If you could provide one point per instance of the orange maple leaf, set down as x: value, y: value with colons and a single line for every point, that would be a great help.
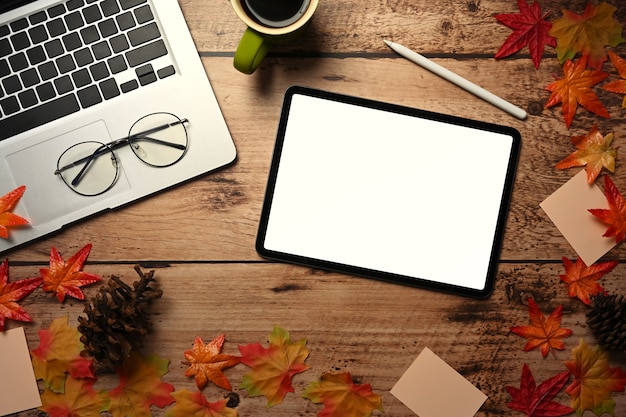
x: 544, y: 333
x: 594, y: 151
x: 59, y: 352
x: 273, y: 367
x: 594, y: 380
x: 575, y: 88
x: 588, y: 33
x: 79, y: 399
x: 7, y: 205
x: 140, y: 386
x: 206, y: 362
x: 582, y: 279
x: 66, y: 278
x: 615, y: 215
x: 12, y: 292
x: 618, y: 86
x: 195, y: 404
x: 342, y: 397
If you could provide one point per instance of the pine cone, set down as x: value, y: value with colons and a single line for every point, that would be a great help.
x: 607, y: 321
x: 118, y: 319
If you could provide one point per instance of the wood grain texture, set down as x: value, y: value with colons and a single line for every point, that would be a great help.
x: 371, y: 329
x: 199, y: 237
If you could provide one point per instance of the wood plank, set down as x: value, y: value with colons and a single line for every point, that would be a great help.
x: 371, y: 329
x: 225, y: 206
x: 356, y: 26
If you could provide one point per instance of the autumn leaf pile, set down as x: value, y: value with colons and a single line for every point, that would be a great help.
x: 69, y: 378
x: 579, y: 41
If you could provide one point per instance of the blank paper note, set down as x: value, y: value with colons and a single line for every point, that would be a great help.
x: 432, y: 388
x: 18, y: 386
x: 568, y: 208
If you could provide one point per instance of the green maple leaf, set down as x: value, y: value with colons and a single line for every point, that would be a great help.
x: 594, y: 380
x: 273, y: 367
x: 342, y: 397
x: 587, y: 34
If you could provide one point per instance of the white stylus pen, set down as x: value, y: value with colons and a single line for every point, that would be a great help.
x: 458, y: 80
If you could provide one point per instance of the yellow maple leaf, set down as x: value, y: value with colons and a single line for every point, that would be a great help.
x: 594, y: 151
x: 594, y: 380
x: 59, y: 353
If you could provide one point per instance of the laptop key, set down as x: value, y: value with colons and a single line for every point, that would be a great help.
x: 63, y: 84
x: 5, y: 47
x: 47, y: 71
x: 74, y: 4
x: 74, y: 20
x: 57, y: 10
x: 144, y: 34
x: 129, y: 4
x: 27, y: 98
x: 37, y: 116
x: 146, y: 53
x: 38, y: 17
x: 109, y: 7
x: 20, y: 41
x: 18, y: 62
x: 89, y: 96
x: 4, y: 68
x: 12, y: 84
x: 19, y: 24
x: 109, y: 88
x: 9, y: 105
x: 54, y: 48
x: 45, y: 91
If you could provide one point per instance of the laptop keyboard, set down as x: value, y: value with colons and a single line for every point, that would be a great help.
x: 75, y: 55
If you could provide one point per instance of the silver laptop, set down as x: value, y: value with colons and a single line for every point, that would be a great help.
x: 102, y: 102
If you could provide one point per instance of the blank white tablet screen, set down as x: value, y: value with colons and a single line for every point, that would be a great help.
x: 388, y: 192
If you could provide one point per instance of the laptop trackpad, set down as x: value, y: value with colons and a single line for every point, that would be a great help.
x: 47, y: 197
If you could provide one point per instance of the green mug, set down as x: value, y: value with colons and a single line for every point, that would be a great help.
x: 270, y: 23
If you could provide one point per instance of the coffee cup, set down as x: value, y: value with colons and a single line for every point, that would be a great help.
x: 270, y: 23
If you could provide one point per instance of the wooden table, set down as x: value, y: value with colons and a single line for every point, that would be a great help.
x: 199, y: 237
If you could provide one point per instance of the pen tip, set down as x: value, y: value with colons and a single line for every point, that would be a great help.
x: 387, y: 42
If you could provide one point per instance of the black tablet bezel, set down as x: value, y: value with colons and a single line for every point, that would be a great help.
x: 375, y: 274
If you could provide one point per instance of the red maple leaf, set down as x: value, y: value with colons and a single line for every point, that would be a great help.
x: 582, y: 279
x: 7, y: 218
x: 575, y: 88
x: 530, y: 28
x: 615, y: 215
x: 12, y: 292
x: 537, y: 401
x: 544, y: 333
x: 66, y: 278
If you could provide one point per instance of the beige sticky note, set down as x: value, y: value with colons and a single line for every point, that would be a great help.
x: 432, y: 388
x: 568, y: 209
x: 18, y: 387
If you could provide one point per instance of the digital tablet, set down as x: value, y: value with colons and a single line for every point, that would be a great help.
x: 388, y: 192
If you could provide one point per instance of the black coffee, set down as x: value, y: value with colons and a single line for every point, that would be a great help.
x: 276, y: 13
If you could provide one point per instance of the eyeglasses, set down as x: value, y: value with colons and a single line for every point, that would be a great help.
x: 91, y: 168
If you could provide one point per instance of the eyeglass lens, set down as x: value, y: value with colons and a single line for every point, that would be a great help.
x: 91, y: 168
